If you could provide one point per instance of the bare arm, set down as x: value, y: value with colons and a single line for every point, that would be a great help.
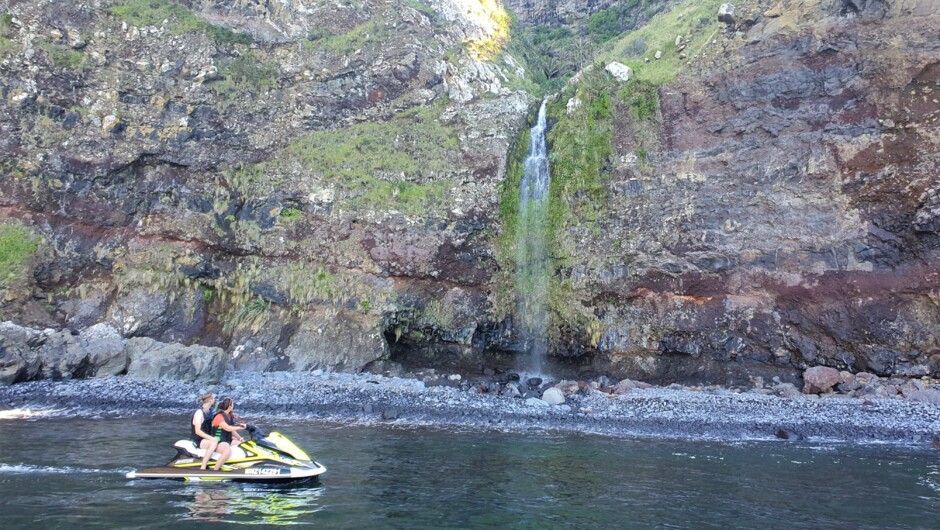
x: 230, y: 428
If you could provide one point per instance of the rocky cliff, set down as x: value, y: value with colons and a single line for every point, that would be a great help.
x: 328, y: 184
x: 297, y: 181
x: 771, y: 207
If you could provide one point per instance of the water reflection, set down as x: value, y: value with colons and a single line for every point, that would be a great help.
x: 274, y: 505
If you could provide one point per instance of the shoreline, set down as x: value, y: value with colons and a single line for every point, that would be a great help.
x: 710, y: 414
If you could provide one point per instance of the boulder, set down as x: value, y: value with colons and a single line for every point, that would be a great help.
x: 18, y: 361
x: 344, y: 341
x: 930, y: 396
x: 63, y: 356
x: 536, y: 402
x: 788, y: 435
x: 573, y: 105
x: 553, y: 396
x: 106, y: 353
x: 819, y: 379
x: 619, y: 71
x: 726, y: 13
x: 786, y: 390
x: 150, y: 359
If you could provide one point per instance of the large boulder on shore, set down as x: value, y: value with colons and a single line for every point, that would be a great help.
x: 929, y: 395
x: 106, y: 352
x: 819, y: 379
x: 63, y: 356
x: 343, y: 341
x: 18, y: 361
x: 27, y: 354
x: 150, y: 359
x: 98, y: 350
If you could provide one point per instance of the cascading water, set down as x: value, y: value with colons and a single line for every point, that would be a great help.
x: 531, y: 260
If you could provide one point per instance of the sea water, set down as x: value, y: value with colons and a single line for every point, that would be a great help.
x: 57, y: 472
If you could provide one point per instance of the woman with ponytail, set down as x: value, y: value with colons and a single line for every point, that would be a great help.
x: 225, y: 430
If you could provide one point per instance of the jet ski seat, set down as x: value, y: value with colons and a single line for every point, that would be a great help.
x: 190, y: 448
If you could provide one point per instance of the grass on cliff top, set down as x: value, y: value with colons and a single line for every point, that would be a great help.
x: 17, y: 243
x: 695, y: 20
x: 180, y: 19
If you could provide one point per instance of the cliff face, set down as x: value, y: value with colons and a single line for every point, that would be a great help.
x: 318, y: 184
x: 292, y: 182
x: 782, y: 212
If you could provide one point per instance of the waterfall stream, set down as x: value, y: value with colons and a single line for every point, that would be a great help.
x: 531, y: 259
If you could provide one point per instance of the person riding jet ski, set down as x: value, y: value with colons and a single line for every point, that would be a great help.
x: 201, y: 428
x: 262, y: 458
x: 226, y: 431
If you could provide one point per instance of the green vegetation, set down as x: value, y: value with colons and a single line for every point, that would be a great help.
x: 373, y: 167
x: 253, y: 315
x: 17, y: 244
x: 610, y: 23
x: 642, y: 99
x: 423, y: 8
x: 7, y: 45
x: 406, y: 197
x: 412, y: 144
x: 180, y: 19
x: 377, y: 163
x: 549, y: 55
x: 375, y: 30
x: 249, y: 69
x: 505, y: 289
x: 439, y: 314
x: 289, y: 214
x: 694, y: 20
x: 63, y: 56
x: 581, y: 152
x: 250, y: 178
x: 307, y: 283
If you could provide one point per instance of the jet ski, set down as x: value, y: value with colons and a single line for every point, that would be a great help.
x: 263, y: 458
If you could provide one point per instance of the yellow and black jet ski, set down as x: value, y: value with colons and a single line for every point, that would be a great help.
x: 263, y: 458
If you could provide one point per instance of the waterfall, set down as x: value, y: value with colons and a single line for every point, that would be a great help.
x: 531, y: 259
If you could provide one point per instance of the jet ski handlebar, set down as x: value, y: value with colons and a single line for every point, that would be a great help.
x: 255, y: 431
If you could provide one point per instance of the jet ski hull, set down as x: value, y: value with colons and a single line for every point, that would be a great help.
x: 250, y: 474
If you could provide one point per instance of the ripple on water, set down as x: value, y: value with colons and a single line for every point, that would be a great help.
x: 24, y: 469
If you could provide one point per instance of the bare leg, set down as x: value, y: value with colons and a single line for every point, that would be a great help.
x: 209, y: 446
x: 224, y: 450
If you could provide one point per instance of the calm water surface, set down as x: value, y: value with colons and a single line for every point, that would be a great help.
x: 63, y: 473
